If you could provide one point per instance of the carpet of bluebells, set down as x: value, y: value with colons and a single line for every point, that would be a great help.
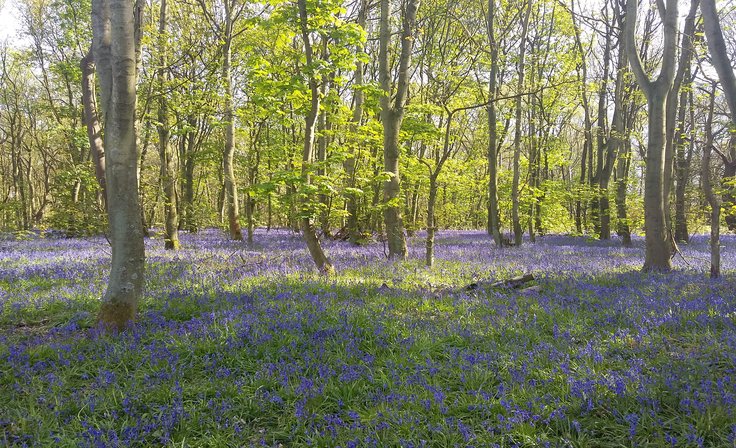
x: 242, y: 346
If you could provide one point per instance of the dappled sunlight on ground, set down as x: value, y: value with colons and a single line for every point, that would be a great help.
x: 247, y: 346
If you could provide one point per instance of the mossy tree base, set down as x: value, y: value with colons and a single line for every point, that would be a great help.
x: 116, y: 316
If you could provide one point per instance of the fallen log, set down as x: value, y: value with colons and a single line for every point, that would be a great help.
x: 512, y: 283
x: 531, y: 291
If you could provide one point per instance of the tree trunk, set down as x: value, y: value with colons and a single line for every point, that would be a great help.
x: 353, y: 220
x: 682, y: 170
x: 113, y: 21
x: 533, y: 152
x: 658, y: 246
x: 622, y: 180
x: 719, y: 53
x: 598, y: 202
x: 310, y: 233
x: 431, y: 229
x: 515, y: 193
x: 254, y: 165
x: 375, y: 219
x: 657, y: 242
x: 92, y: 122
x: 168, y: 176
x: 715, y: 242
x: 249, y: 206
x: 391, y: 188
x: 711, y: 197
x: 440, y: 161
x: 231, y: 188
x: 186, y: 158
x: 615, y: 140
x: 323, y: 126
x: 729, y: 173
x: 580, y: 204
x: 141, y: 164
x: 674, y: 121
x: 724, y: 68
x: 494, y: 221
x: 392, y: 116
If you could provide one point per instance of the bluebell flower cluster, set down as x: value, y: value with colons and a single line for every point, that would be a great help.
x: 247, y: 346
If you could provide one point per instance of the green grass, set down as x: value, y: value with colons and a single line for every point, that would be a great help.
x: 222, y: 359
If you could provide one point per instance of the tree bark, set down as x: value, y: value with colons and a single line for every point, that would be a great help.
x: 587, y: 153
x: 431, y: 228
x: 719, y: 54
x: 622, y: 180
x: 323, y: 126
x: 724, y: 68
x: 515, y: 193
x: 613, y: 146
x: 324, y: 266
x: 231, y: 187
x: 440, y: 161
x: 249, y: 216
x: 682, y: 170
x: 92, y: 122
x: 533, y: 150
x: 250, y: 200
x: 657, y: 242
x: 616, y: 136
x: 353, y: 220
x: 392, y: 116
x: 187, y: 146
x: 598, y: 203
x: 114, y: 50
x: 168, y: 176
x: 710, y: 196
x: 494, y: 221
x: 674, y: 120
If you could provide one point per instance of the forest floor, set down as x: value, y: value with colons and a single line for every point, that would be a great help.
x: 246, y: 346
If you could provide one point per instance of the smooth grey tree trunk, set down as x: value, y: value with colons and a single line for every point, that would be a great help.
x: 114, y: 49
x: 658, y: 248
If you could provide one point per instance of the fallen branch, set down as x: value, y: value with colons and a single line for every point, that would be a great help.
x: 512, y: 283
